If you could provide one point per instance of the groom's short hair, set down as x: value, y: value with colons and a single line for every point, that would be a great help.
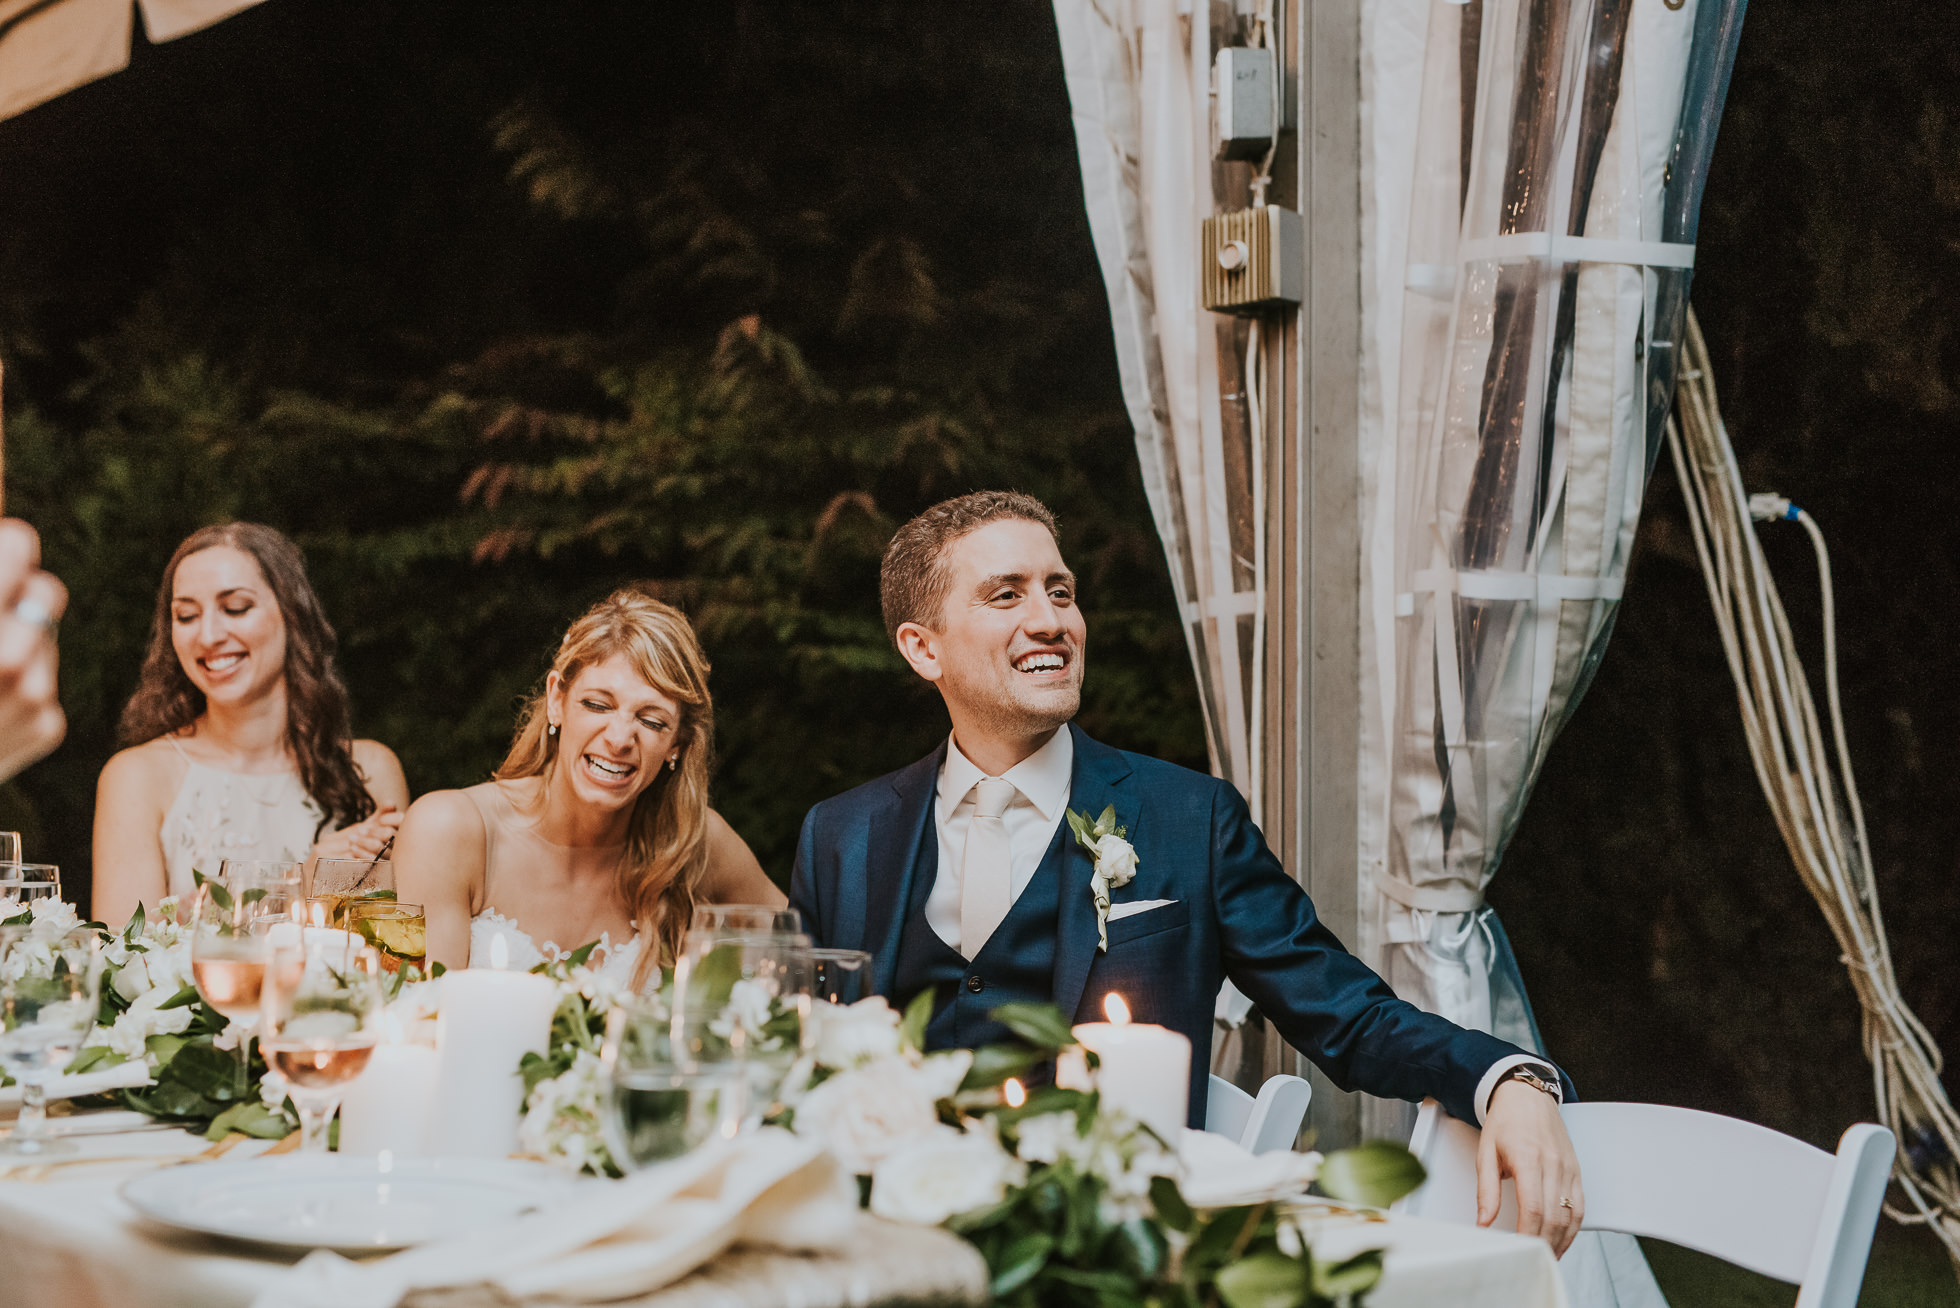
x: 912, y: 581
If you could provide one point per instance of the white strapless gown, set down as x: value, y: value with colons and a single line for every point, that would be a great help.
x: 614, y: 963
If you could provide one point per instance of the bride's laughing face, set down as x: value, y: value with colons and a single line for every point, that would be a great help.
x: 226, y: 626
x: 615, y: 732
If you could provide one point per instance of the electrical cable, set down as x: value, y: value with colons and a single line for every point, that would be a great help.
x: 1810, y: 797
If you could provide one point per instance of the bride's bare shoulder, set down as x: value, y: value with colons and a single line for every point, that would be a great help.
x: 442, y: 819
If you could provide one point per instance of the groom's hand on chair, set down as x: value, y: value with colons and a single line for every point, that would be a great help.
x: 1524, y: 1138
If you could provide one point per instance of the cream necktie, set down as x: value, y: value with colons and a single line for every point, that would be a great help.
x: 987, y: 870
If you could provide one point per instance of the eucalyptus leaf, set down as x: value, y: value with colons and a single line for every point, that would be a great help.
x: 1265, y: 1280
x: 1377, y: 1173
x: 1042, y: 1025
x: 1021, y: 1262
x: 918, y: 1014
x: 1350, y: 1279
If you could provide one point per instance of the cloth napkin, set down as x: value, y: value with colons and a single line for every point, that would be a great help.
x: 612, y: 1239
x: 123, y: 1076
x: 1219, y: 1172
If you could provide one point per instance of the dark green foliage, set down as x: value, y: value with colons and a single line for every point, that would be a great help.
x: 496, y: 316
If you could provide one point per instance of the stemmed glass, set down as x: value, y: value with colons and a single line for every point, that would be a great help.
x: 335, y: 882
x: 50, y: 983
x: 231, y: 929
x: 745, y: 919
x: 275, y: 883
x: 743, y: 1001
x: 840, y: 976
x: 9, y: 847
x: 320, y: 1020
x: 659, y: 1105
x: 21, y: 884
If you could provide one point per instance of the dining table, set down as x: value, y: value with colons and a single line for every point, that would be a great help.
x: 69, y: 1239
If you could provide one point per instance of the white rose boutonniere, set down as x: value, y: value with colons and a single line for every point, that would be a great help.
x: 1116, y: 862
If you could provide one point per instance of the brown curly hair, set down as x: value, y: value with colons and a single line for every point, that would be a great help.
x: 318, y: 720
x: 667, y: 839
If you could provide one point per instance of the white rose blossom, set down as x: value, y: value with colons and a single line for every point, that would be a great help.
x: 942, y: 1175
x: 1116, y: 861
x: 561, y: 1117
x: 849, y: 1036
x: 865, y: 1115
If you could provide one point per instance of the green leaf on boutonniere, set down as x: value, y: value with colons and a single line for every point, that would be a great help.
x: 918, y: 1014
x: 1042, y: 1025
x: 1377, y: 1173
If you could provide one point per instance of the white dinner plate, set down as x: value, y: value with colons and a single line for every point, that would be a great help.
x: 349, y: 1204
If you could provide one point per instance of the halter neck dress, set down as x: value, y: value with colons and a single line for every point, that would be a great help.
x: 511, y: 847
x: 218, y: 815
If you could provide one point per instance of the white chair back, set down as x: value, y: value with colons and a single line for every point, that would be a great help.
x: 1272, y: 1121
x: 1742, y: 1192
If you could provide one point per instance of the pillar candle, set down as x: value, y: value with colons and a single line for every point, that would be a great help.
x: 487, y: 1020
x: 1146, y: 1069
x: 391, y: 1104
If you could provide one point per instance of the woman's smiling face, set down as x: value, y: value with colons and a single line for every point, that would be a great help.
x: 226, y: 626
x: 615, y: 731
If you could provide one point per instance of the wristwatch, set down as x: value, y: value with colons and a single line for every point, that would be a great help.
x: 1534, y: 1078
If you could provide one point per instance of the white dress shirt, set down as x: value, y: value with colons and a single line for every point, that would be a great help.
x: 1041, y: 783
x: 1041, y: 790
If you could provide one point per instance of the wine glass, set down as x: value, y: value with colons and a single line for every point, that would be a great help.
x: 335, y: 882
x: 9, y: 846
x: 743, y: 1001
x: 21, y: 884
x: 230, y: 947
x: 320, y: 1018
x: 50, y: 983
x: 746, y: 919
x: 275, y: 883
x: 399, y: 932
x: 660, y: 1105
x: 840, y: 976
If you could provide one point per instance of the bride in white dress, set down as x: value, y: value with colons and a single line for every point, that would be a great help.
x: 596, y: 829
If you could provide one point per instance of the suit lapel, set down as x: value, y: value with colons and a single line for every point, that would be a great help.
x: 1096, y: 781
x: 893, y: 849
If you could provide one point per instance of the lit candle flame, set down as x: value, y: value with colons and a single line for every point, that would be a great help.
x: 1119, y: 1012
x: 1013, y: 1093
x: 317, y: 913
x: 499, y: 952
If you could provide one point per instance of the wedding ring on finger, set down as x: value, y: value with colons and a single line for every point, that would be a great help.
x: 33, y: 611
x: 1564, y: 1202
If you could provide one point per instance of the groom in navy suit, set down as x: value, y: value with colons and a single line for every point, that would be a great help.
x: 960, y: 874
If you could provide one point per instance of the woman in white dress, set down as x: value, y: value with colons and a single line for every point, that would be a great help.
x: 238, y: 733
x: 596, y: 829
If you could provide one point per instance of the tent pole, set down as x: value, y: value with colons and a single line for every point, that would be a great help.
x: 1313, y: 668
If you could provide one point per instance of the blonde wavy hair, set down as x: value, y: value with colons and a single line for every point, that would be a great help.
x: 667, y: 839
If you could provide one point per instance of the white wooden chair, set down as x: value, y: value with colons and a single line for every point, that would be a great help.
x: 1272, y: 1121
x: 1744, y: 1193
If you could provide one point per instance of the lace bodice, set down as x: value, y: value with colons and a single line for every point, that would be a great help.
x: 614, y: 962
x: 218, y: 815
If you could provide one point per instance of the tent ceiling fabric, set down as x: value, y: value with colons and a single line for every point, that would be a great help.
x: 48, y: 47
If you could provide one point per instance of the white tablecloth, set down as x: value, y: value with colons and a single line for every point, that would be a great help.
x: 69, y: 1241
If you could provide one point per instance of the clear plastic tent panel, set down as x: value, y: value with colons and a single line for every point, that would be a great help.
x: 1561, y: 154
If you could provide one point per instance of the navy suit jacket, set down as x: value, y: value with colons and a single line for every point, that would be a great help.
x: 1237, y: 914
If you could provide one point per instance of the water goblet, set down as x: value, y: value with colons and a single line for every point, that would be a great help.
x: 338, y: 882
x: 21, y: 884
x: 50, y: 984
x: 9, y: 846
x: 840, y: 976
x: 659, y: 1105
x: 320, y: 1019
x: 275, y: 884
x: 744, y: 1000
x: 746, y: 919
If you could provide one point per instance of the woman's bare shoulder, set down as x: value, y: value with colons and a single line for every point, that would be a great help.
x: 370, y: 755
x: 445, y: 814
x: 152, y: 770
x: 734, y: 874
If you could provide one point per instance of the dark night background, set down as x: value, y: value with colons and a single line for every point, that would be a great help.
x: 494, y: 306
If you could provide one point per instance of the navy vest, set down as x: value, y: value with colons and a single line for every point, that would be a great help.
x: 1016, y: 965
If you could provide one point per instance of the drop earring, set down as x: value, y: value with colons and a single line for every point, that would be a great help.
x: 673, y: 761
x: 551, y: 730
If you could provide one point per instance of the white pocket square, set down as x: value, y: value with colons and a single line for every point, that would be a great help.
x: 1117, y: 912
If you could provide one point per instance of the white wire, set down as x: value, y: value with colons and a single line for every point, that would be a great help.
x: 1808, y: 796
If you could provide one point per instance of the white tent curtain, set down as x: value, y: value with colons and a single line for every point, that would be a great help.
x: 51, y: 46
x: 1138, y: 75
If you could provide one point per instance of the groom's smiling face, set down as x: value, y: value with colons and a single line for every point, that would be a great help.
x: 1009, y: 649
